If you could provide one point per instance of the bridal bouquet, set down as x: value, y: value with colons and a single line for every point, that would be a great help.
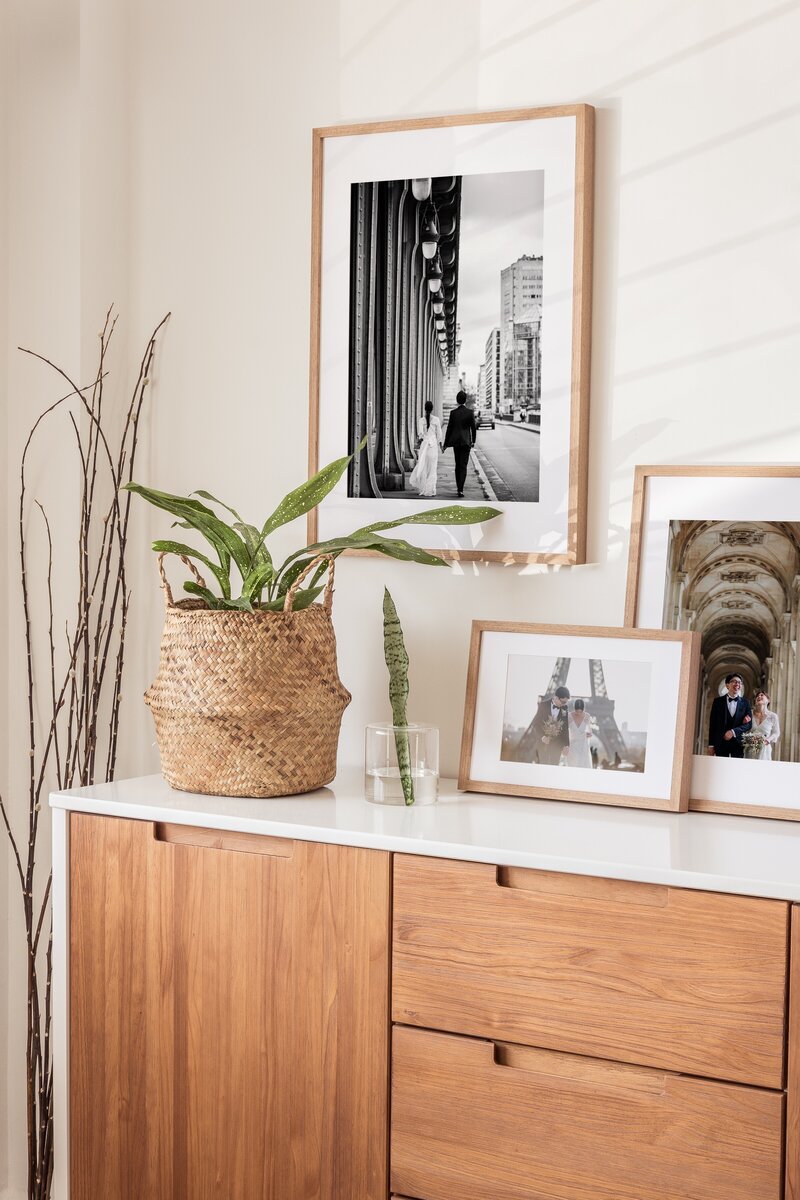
x: 550, y: 729
x: 753, y: 743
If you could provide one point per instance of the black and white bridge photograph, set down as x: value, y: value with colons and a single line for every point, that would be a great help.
x: 445, y: 333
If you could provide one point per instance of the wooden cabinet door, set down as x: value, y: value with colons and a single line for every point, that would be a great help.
x: 484, y: 1121
x: 229, y: 1015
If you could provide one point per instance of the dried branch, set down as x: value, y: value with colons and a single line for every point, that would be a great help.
x: 84, y: 684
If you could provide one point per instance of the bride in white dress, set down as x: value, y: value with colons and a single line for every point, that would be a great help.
x: 423, y: 477
x: 765, y: 722
x: 580, y: 730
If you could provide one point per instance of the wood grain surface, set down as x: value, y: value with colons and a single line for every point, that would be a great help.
x: 479, y: 1121
x: 229, y: 1018
x: 663, y: 977
x: 792, y: 1191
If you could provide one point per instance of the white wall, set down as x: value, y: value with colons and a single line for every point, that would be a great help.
x: 195, y: 196
x: 5, y: 97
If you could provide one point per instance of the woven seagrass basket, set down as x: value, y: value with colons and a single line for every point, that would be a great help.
x: 248, y: 704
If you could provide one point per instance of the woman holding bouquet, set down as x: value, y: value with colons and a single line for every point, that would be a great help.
x: 766, y: 723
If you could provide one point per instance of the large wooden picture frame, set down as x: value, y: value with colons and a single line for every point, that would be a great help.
x: 495, y: 210
x: 632, y: 690
x: 716, y: 549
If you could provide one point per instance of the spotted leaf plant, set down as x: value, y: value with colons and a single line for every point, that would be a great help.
x: 236, y: 545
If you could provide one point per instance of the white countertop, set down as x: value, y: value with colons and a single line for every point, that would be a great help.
x: 713, y: 852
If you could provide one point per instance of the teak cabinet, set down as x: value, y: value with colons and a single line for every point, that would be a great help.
x: 548, y: 1036
x: 228, y: 1015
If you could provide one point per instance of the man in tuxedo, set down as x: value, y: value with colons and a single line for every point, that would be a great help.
x: 462, y: 431
x: 552, y: 712
x: 730, y: 718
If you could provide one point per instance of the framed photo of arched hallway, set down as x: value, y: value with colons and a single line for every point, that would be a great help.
x: 716, y: 550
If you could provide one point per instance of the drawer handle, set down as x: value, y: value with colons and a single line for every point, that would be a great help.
x: 579, y: 1069
x: 222, y: 839
x: 582, y: 887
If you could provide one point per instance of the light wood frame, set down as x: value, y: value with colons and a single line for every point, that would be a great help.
x: 684, y: 725
x: 726, y: 471
x: 581, y: 317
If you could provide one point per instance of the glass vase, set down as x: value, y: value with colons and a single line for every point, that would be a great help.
x: 416, y: 747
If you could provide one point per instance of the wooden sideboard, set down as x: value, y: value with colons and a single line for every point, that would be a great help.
x: 228, y: 1029
x: 573, y: 1037
x: 272, y: 1018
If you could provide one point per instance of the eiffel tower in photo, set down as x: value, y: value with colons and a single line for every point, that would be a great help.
x: 599, y: 706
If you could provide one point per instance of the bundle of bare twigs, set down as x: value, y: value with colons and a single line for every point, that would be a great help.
x: 77, y: 736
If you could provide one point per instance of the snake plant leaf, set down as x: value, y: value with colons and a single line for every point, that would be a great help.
x: 453, y: 514
x: 224, y: 539
x: 396, y: 655
x: 167, y: 547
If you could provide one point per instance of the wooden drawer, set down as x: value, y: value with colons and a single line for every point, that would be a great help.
x: 485, y: 1121
x: 687, y: 981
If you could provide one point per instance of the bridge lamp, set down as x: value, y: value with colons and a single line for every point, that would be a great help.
x: 438, y: 305
x: 421, y: 188
x: 434, y: 271
x: 429, y: 233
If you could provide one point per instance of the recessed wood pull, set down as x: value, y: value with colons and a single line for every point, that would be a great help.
x: 576, y: 1068
x: 223, y: 839
x: 582, y: 887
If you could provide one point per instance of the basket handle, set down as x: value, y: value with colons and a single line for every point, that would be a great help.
x: 165, y: 582
x: 327, y: 599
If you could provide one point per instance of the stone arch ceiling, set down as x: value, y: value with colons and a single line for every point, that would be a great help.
x: 739, y: 580
x: 731, y: 577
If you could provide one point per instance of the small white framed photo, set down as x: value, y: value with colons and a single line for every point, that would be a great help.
x: 716, y: 550
x: 596, y: 715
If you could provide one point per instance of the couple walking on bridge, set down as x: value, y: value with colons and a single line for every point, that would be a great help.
x: 462, y: 432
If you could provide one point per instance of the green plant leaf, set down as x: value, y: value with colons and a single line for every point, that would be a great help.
x: 453, y: 514
x: 309, y: 494
x: 391, y: 547
x: 396, y: 655
x: 224, y: 539
x: 259, y: 554
x: 167, y: 547
x: 302, y: 599
x: 211, y: 600
x: 294, y: 567
x: 255, y: 582
x: 240, y: 604
x: 221, y: 503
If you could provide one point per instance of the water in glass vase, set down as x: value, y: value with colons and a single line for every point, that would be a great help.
x: 382, y: 785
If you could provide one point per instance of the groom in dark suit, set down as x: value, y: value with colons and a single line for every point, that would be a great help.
x: 730, y: 718
x: 462, y: 432
x: 550, y: 728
